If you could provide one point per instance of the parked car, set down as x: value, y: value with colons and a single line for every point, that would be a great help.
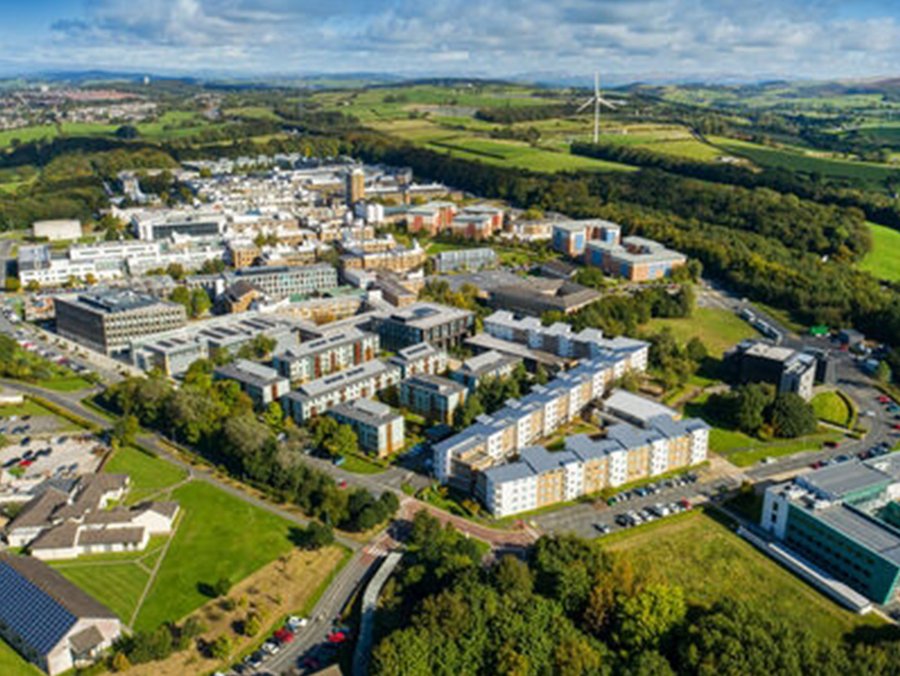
x: 296, y: 623
x: 271, y: 647
x: 602, y: 528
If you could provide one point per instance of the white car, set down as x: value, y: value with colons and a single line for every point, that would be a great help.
x: 271, y: 647
x: 296, y: 623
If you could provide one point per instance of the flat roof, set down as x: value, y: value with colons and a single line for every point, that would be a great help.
x: 861, y: 528
x: 839, y: 480
x: 426, y: 315
x: 316, y: 388
x: 635, y: 406
x: 366, y: 411
x: 117, y: 300
x: 434, y: 383
x: 489, y: 342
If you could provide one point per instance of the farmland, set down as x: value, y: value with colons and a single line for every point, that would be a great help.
x: 884, y: 259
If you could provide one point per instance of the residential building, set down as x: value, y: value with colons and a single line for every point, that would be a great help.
x: 464, y: 259
x: 285, y: 282
x: 635, y: 409
x: 335, y: 351
x: 418, y: 359
x: 261, y: 383
x: 842, y: 522
x: 355, y: 186
x: 431, y: 218
x: 396, y: 259
x: 108, y: 320
x: 65, y: 522
x: 434, y: 397
x: 48, y: 620
x: 539, y: 477
x: 173, y: 352
x: 442, y: 326
x: 394, y: 290
x: 319, y: 396
x: 786, y: 369
x: 379, y: 429
x: 634, y: 258
x: 239, y: 297
x: 56, y: 230
x: 242, y: 254
x: 490, y: 364
x: 571, y: 237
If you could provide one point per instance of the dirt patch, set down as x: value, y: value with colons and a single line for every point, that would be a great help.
x: 280, y: 588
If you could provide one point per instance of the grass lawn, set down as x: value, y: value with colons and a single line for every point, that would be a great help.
x: 149, y: 475
x: 834, y: 408
x: 28, y: 407
x: 13, y: 664
x: 116, y: 585
x: 219, y: 536
x: 359, y: 465
x: 64, y: 383
x: 884, y: 259
x: 718, y: 329
x: 713, y: 564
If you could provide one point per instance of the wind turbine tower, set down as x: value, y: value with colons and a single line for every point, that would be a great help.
x: 596, y: 100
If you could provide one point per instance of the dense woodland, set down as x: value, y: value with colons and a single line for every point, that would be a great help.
x: 573, y: 609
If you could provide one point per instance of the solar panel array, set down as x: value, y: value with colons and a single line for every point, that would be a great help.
x: 28, y: 612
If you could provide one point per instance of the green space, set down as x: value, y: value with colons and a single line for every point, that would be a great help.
x: 117, y: 585
x: 713, y: 564
x: 218, y: 536
x: 359, y: 465
x: 28, y: 407
x: 64, y: 383
x: 27, y: 134
x: 833, y: 407
x: 149, y: 474
x: 883, y: 260
x: 13, y: 664
x: 868, y: 174
x: 719, y: 329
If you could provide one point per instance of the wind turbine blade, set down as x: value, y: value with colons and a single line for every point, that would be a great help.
x: 584, y: 105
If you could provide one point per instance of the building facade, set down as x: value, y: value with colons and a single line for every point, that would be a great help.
x: 333, y: 352
x: 261, y: 383
x: 434, y: 397
x: 420, y: 359
x: 634, y: 258
x: 379, y: 429
x: 442, y: 326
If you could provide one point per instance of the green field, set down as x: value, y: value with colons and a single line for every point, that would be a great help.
x: 713, y: 564
x: 834, y: 408
x: 219, y: 536
x: 28, y: 407
x: 13, y: 664
x: 719, y: 329
x: 149, y: 475
x: 64, y: 383
x: 27, y: 134
x: 884, y: 259
x: 868, y: 174
x: 117, y: 585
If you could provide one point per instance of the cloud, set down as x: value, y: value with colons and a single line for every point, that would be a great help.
x: 489, y: 37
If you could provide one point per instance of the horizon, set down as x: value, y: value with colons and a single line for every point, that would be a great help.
x: 646, y: 40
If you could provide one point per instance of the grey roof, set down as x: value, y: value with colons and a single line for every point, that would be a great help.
x: 487, y: 362
x: 40, y: 606
x: 315, y: 388
x: 417, y: 351
x: 117, y: 300
x: 861, y: 528
x: 329, y: 341
x: 632, y: 437
x: 541, y: 460
x: 488, y: 342
x: 512, y: 471
x: 438, y: 384
x: 836, y: 481
x: 635, y: 406
x: 248, y: 372
x: 366, y: 411
x: 638, y: 250
x: 104, y: 536
x: 86, y: 640
x: 427, y: 315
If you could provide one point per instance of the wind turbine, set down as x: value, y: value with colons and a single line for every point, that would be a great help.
x: 597, y: 101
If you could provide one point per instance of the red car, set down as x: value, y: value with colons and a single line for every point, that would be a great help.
x: 342, y: 484
x: 29, y: 463
x: 284, y: 635
x: 685, y: 503
x: 896, y: 426
x: 337, y: 637
x: 883, y: 399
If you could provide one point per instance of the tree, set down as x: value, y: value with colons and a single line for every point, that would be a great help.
x: 33, y: 286
x: 182, y: 296
x: 883, y: 372
x: 465, y: 415
x: 12, y: 284
x: 315, y: 536
x: 512, y: 577
x: 792, y: 416
x: 125, y: 429
x: 647, y: 618
x: 220, y: 648
x: 176, y: 271
x: 696, y: 350
x: 274, y: 415
x: 342, y: 442
x: 222, y: 586
x: 252, y: 624
x: 90, y: 279
x: 120, y: 662
x: 199, y: 303
x: 750, y: 406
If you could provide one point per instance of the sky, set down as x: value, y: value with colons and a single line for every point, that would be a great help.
x: 623, y: 39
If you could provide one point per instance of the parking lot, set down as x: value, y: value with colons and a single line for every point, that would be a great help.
x: 31, y: 456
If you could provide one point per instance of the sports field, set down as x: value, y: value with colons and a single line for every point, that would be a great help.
x: 884, y: 259
x: 713, y: 564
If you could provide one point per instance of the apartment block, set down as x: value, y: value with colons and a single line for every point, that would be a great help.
x: 490, y: 364
x: 431, y: 218
x: 108, y: 320
x: 261, y: 383
x: 379, y: 429
x: 636, y: 259
x: 786, y: 369
x: 434, y: 397
x: 319, y: 396
x: 538, y: 477
x: 396, y: 259
x: 571, y: 237
x: 422, y: 358
x: 442, y: 326
x: 335, y: 351
x: 465, y: 259
x: 284, y: 282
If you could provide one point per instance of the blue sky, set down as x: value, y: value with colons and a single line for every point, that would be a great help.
x: 625, y: 39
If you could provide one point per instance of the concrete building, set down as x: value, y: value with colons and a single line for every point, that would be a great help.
x: 636, y: 259
x: 434, y: 397
x: 37, y: 264
x: 786, y: 369
x: 418, y: 359
x: 48, y: 620
x: 442, y: 326
x: 152, y: 225
x: 335, y: 351
x: 464, y: 259
x: 843, y: 522
x: 319, y: 396
x: 431, y: 218
x: 261, y: 383
x: 635, y: 409
x: 490, y: 364
x: 539, y: 477
x: 571, y: 237
x: 379, y: 429
x: 56, y: 230
x: 174, y: 351
x: 107, y: 321
x: 355, y: 186
x: 278, y: 282
x: 536, y: 295
x: 396, y: 259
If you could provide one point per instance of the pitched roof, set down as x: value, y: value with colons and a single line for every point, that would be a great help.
x: 39, y: 605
